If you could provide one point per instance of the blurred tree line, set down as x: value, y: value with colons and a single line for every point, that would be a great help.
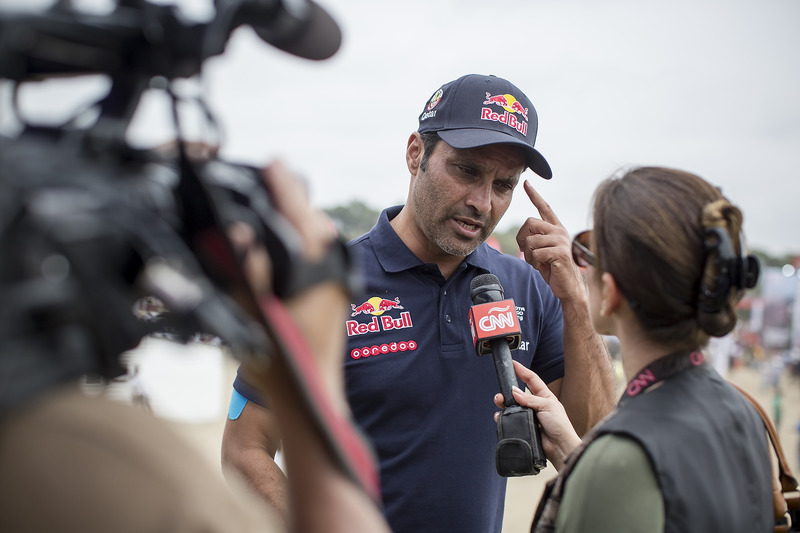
x: 353, y: 219
x: 357, y: 218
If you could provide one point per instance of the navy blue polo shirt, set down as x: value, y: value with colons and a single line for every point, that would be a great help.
x: 417, y: 388
x: 419, y: 391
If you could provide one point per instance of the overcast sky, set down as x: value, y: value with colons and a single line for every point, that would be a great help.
x: 708, y: 86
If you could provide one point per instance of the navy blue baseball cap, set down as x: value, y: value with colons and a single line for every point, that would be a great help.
x: 477, y: 110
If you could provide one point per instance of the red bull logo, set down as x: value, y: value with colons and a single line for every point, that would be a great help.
x: 375, y: 306
x: 507, y: 102
x: 366, y: 307
x: 505, y: 118
x: 511, y: 108
x: 386, y: 323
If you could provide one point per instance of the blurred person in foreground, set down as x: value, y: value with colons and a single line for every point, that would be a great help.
x: 75, y: 462
x: 684, y: 451
x: 413, y: 380
x: 91, y: 225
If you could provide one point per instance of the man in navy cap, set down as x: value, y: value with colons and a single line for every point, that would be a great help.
x: 414, y: 383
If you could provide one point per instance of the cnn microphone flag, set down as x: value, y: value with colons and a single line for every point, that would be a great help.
x: 494, y: 320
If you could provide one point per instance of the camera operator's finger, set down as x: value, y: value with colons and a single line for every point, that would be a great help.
x: 290, y: 197
x: 254, y: 257
x: 320, y: 309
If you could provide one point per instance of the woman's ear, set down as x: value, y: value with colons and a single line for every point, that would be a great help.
x: 611, y: 295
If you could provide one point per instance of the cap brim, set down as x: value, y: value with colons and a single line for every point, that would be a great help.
x: 473, y: 138
x: 318, y: 38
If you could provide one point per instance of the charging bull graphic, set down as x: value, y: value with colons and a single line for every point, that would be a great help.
x: 507, y: 102
x: 375, y: 306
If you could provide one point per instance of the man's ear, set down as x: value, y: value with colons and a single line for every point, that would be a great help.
x: 414, y: 152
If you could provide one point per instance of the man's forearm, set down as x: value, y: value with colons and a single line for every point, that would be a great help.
x: 322, y: 496
x: 260, y: 472
x: 249, y: 444
x: 589, y: 389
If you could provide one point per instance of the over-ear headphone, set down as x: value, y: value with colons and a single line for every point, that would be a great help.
x: 733, y: 271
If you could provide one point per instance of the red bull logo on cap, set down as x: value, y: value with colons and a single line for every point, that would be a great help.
x: 507, y: 102
x: 511, y: 107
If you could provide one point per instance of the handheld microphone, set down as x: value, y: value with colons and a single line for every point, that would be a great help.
x: 495, y: 329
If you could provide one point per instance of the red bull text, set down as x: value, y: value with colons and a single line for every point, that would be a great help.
x: 382, y: 323
x: 506, y: 118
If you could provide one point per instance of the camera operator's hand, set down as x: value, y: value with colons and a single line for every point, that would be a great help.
x: 558, y: 436
x: 319, y: 311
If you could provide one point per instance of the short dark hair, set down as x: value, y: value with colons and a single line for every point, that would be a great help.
x: 429, y: 141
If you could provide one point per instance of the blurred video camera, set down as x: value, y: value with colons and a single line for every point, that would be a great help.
x: 89, y: 225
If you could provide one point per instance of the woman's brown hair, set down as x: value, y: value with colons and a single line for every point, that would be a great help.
x: 649, y: 233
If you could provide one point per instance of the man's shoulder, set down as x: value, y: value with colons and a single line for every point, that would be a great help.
x: 361, y: 240
x: 382, y: 228
x: 365, y: 240
x: 362, y: 249
x: 506, y: 260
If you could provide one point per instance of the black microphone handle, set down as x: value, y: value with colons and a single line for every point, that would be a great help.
x: 503, y: 365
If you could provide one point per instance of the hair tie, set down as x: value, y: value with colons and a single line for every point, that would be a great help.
x: 740, y: 272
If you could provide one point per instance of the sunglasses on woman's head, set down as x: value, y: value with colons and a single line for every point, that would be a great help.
x: 581, y: 254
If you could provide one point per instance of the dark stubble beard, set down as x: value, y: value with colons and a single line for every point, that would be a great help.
x: 428, y: 204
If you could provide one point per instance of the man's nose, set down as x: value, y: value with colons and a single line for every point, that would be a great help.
x: 480, y: 198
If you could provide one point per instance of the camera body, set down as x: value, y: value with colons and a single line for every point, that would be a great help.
x: 81, y: 234
x: 90, y: 225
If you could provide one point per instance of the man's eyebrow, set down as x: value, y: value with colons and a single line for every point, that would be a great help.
x: 477, y: 163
